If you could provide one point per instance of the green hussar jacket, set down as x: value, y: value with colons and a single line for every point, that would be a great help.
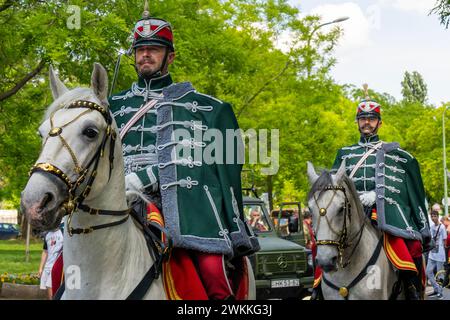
x: 394, y: 175
x: 201, y: 199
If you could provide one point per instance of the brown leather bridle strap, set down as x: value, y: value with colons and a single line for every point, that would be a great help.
x: 95, y: 212
x: 343, y: 241
x: 74, y: 201
x: 73, y: 231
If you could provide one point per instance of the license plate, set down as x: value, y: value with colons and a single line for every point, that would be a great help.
x: 285, y: 283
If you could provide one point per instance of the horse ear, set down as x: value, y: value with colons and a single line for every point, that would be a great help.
x: 341, y: 171
x: 99, y: 83
x: 58, y: 88
x: 312, y: 175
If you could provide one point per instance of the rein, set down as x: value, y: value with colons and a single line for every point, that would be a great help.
x: 73, y: 200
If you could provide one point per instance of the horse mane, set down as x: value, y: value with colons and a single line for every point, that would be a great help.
x: 323, y: 181
x: 326, y: 179
x: 348, y: 183
x: 64, y: 100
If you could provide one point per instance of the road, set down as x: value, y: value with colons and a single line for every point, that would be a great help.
x: 445, y: 293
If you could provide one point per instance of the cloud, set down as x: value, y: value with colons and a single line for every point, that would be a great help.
x: 417, y: 6
x: 356, y: 29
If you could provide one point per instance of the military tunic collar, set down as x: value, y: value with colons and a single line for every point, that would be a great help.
x: 155, y: 84
x: 370, y: 141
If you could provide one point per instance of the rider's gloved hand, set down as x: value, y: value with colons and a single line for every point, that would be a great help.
x: 368, y: 198
x: 133, y: 187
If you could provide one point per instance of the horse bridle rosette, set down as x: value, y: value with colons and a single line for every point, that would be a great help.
x: 343, y: 241
x: 73, y: 200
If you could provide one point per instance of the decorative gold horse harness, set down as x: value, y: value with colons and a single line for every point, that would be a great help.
x: 159, y: 250
x: 73, y: 200
x: 343, y: 241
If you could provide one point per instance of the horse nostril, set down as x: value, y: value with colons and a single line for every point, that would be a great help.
x: 48, y: 197
x: 334, y: 260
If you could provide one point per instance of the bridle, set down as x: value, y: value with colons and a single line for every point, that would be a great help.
x: 157, y: 247
x: 75, y: 199
x: 344, y: 240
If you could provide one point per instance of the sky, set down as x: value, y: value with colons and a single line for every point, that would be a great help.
x: 383, y: 39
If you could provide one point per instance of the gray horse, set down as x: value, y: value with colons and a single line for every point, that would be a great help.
x: 349, y: 249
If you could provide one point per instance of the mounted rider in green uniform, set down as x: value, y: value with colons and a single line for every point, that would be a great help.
x: 166, y: 152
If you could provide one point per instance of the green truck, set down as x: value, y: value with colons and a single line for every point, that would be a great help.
x: 282, y: 268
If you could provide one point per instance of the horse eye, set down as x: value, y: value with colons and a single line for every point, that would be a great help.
x: 90, y: 133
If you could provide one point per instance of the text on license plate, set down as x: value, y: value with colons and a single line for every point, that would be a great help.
x: 285, y: 283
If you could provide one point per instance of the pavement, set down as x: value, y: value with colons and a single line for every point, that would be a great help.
x: 445, y: 293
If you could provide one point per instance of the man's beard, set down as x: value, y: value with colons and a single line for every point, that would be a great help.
x: 148, y: 72
x: 372, y: 132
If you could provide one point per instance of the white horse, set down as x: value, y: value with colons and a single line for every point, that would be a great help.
x: 349, y: 249
x: 107, y: 256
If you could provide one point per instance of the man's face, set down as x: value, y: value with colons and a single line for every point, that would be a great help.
x: 256, y: 215
x: 369, y: 125
x: 435, y: 218
x: 149, y: 59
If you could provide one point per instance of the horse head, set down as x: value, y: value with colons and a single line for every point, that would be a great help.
x: 333, y: 200
x: 77, y: 127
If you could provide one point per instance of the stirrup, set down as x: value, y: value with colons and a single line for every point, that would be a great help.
x: 411, y: 292
x: 316, y: 293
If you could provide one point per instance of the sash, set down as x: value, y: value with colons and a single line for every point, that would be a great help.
x: 143, y: 110
x: 364, y: 157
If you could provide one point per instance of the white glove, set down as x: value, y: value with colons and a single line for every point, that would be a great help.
x: 368, y: 198
x: 133, y: 187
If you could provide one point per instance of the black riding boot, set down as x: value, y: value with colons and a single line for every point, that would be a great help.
x: 316, y: 293
x: 410, y: 285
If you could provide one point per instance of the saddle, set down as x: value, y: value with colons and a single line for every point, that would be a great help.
x: 179, y: 272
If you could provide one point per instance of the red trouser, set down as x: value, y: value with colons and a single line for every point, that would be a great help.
x: 211, y: 268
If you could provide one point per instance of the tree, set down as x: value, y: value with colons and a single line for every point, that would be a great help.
x: 224, y: 47
x: 442, y: 9
x: 414, y: 89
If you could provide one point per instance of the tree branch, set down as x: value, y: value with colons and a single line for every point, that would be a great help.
x: 262, y: 88
x: 6, y: 5
x: 21, y: 83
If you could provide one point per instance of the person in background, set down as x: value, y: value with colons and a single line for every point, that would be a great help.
x: 53, y: 245
x: 435, y: 207
x: 436, y: 257
x: 307, y: 230
x: 256, y: 221
x: 446, y: 223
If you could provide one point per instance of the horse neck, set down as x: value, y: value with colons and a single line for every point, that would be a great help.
x: 107, y: 255
x: 364, y: 248
x: 112, y: 195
